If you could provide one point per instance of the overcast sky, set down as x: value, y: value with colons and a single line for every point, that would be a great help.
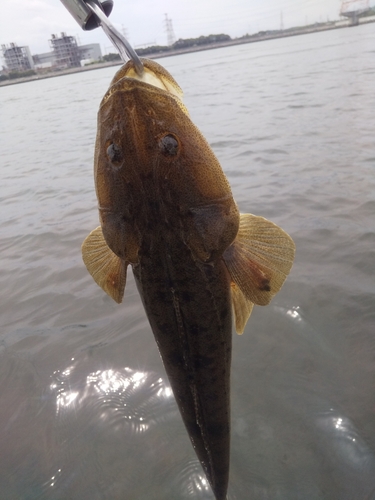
x: 31, y: 22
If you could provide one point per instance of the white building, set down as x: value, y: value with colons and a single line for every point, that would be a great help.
x: 17, y: 58
x: 90, y: 52
x: 86, y: 53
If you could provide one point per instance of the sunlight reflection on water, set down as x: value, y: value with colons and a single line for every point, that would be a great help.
x: 115, y: 392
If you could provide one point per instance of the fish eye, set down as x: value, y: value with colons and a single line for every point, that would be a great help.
x: 169, y: 145
x: 114, y: 153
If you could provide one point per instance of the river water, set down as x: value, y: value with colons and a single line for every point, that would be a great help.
x: 86, y: 411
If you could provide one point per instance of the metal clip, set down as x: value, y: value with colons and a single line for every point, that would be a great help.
x: 84, y: 15
x: 90, y: 14
x: 126, y: 51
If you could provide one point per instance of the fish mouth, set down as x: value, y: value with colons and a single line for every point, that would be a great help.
x: 154, y: 77
x: 153, y: 74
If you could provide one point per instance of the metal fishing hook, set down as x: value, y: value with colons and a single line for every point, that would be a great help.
x: 90, y: 14
x: 126, y: 51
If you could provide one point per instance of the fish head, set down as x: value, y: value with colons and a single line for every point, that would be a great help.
x: 152, y: 161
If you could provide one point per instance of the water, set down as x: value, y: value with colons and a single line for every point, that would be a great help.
x: 86, y: 411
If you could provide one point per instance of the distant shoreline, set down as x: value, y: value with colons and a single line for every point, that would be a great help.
x: 237, y: 41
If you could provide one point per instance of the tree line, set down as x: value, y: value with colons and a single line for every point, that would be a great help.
x: 182, y: 43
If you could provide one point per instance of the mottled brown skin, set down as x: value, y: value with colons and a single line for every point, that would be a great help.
x: 166, y: 208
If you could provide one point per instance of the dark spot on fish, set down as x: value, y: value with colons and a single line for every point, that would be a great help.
x: 175, y: 358
x: 169, y: 145
x: 212, y: 397
x: 201, y: 362
x: 186, y: 297
x: 114, y: 153
x: 265, y: 285
x: 213, y: 347
x: 224, y: 314
x: 218, y: 430
x: 194, y: 329
x: 162, y: 297
x: 154, y: 207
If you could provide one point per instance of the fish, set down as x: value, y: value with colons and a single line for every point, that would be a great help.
x: 166, y: 209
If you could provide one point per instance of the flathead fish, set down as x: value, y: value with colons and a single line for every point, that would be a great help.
x: 166, y: 209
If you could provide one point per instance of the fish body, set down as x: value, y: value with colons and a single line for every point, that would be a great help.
x: 189, y: 309
x: 166, y: 209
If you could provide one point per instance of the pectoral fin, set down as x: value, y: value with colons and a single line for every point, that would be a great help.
x: 258, y: 261
x: 108, y: 270
x: 242, y: 308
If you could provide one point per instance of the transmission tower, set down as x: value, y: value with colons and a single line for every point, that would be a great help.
x: 171, y: 37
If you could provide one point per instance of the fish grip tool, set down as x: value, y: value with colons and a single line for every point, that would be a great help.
x: 91, y: 14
